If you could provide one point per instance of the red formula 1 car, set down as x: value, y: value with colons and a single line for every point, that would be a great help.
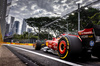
x: 84, y: 44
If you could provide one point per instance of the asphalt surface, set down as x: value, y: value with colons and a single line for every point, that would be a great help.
x: 48, y: 59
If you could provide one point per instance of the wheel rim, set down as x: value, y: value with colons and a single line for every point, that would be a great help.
x: 62, y: 47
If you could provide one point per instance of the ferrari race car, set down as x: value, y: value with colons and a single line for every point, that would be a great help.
x: 85, y: 44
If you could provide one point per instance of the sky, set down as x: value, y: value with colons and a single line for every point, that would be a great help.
x: 21, y: 9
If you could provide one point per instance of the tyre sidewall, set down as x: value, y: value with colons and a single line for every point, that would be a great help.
x: 38, y: 45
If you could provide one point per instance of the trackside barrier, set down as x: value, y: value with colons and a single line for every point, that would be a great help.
x: 29, y: 44
x: 1, y: 43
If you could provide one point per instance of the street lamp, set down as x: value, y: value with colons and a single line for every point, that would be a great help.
x: 72, y: 13
x: 86, y: 8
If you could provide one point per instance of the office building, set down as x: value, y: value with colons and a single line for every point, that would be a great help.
x: 16, y: 27
x: 24, y: 25
x: 11, y: 23
x: 7, y: 28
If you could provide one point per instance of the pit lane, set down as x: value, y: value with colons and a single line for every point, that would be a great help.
x: 49, y: 59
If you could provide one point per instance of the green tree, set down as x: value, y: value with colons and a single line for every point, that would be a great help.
x: 96, y: 18
x: 45, y: 36
x: 58, y: 26
x: 25, y: 35
x: 16, y: 36
x: 85, y: 17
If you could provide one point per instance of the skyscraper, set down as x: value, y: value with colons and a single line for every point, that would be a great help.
x: 16, y: 27
x: 7, y: 29
x: 11, y: 23
x: 23, y: 26
x: 9, y: 2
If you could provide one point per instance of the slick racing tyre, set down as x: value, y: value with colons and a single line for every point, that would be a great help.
x: 69, y: 47
x: 38, y: 45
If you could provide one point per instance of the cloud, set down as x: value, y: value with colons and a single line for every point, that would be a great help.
x: 44, y: 7
x: 45, y: 4
x: 63, y: 1
x: 23, y: 8
x: 73, y: 5
x: 40, y: 8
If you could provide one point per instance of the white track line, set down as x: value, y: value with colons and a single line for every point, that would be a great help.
x: 56, y: 59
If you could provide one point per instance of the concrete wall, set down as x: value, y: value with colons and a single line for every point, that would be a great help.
x: 3, y: 6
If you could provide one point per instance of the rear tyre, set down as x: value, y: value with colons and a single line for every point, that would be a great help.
x: 69, y: 47
x: 38, y: 45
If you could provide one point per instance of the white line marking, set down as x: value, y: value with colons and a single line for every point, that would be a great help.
x: 56, y: 59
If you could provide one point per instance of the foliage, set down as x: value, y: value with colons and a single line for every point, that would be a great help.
x: 45, y: 35
x: 16, y: 36
x: 96, y: 18
x: 58, y: 26
x: 85, y: 17
x: 25, y: 35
